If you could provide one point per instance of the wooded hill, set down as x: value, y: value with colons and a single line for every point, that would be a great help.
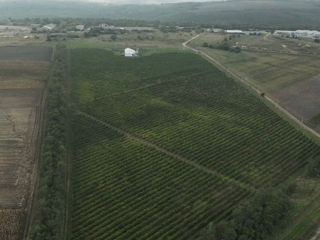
x: 235, y: 13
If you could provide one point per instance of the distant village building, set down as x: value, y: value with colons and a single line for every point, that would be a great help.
x: 252, y: 32
x: 49, y: 27
x: 234, y: 32
x: 129, y: 52
x: 298, y: 33
x: 105, y: 26
x: 80, y: 27
x: 217, y: 30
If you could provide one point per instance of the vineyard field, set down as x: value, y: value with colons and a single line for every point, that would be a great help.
x: 139, y: 193
x: 124, y: 189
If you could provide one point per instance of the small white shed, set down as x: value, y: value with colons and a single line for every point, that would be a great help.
x: 128, y: 52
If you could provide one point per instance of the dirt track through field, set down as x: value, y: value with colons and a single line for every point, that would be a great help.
x: 317, y: 235
x: 167, y: 152
x: 250, y: 85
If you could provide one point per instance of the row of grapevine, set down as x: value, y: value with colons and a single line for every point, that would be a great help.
x: 124, y: 190
x: 238, y: 135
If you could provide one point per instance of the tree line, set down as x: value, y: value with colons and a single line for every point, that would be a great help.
x: 50, y: 194
x: 260, y: 216
x: 255, y: 219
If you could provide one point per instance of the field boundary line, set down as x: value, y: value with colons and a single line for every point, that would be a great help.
x: 250, y: 85
x: 169, y: 153
x: 37, y: 158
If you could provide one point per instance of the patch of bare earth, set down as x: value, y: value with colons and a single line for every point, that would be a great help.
x: 21, y: 89
x: 10, y: 222
x: 302, y: 99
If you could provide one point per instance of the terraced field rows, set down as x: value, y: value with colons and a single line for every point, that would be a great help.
x: 206, y: 121
x: 179, y: 102
x: 139, y: 193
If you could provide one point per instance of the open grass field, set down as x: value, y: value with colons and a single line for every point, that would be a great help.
x: 178, y: 117
x: 290, y: 76
x: 148, y: 43
x: 266, y: 42
x: 22, y: 79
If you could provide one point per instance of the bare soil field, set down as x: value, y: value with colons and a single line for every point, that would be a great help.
x: 301, y: 98
x: 13, y: 31
x: 25, y: 53
x: 23, y: 72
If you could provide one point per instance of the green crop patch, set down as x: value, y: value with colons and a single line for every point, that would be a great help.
x: 125, y: 190
x: 182, y: 104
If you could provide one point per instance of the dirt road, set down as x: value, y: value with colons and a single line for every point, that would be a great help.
x: 249, y: 84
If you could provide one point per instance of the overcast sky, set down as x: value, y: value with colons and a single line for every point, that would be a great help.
x: 120, y: 1
x: 145, y: 1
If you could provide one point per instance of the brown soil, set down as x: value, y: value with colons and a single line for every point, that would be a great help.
x: 301, y: 98
x: 21, y: 89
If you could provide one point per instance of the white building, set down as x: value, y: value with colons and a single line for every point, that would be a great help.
x: 234, y: 32
x: 128, y: 52
x: 80, y: 27
x: 298, y: 33
x: 49, y: 27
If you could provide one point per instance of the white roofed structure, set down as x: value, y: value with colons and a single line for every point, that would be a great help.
x: 234, y: 31
x: 128, y: 52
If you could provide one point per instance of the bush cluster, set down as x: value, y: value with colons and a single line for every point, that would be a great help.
x: 255, y: 219
x: 223, y: 45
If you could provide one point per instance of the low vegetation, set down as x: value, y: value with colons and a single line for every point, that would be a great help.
x: 182, y: 104
x: 125, y: 190
x: 224, y: 45
x: 313, y: 169
x: 48, y: 221
x: 256, y: 218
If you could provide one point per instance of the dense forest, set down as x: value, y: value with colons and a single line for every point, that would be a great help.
x: 259, y: 13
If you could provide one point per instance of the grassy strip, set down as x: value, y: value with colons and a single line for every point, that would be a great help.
x: 48, y: 222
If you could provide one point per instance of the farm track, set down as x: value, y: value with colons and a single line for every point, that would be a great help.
x: 36, y: 155
x: 250, y: 85
x: 171, y: 154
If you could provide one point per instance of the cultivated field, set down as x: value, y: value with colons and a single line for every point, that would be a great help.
x: 22, y: 74
x: 148, y: 43
x: 165, y: 144
x: 289, y: 75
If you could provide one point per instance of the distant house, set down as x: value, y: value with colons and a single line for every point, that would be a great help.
x: 128, y: 52
x: 80, y: 27
x: 234, y: 32
x: 298, y: 33
x: 49, y: 27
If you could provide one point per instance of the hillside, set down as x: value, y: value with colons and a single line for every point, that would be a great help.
x: 249, y: 13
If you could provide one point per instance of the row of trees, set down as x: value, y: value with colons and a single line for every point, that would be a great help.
x: 255, y: 219
x: 259, y: 217
x: 50, y: 194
